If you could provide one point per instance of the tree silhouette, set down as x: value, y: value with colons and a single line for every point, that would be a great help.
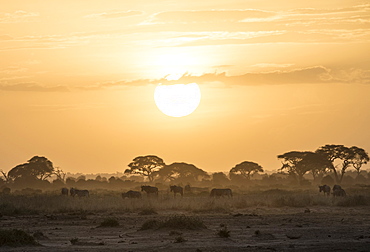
x: 298, y: 163
x: 246, y: 169
x: 60, y: 174
x: 37, y: 167
x: 359, y: 158
x: 316, y: 164
x: 346, y: 156
x: 220, y: 178
x: 145, y: 166
x: 183, y: 172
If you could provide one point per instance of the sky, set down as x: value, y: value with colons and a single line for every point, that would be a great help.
x: 77, y: 80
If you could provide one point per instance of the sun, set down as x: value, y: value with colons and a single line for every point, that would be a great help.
x: 177, y: 100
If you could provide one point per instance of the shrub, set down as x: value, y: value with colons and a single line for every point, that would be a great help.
x: 355, y: 200
x: 223, y: 232
x: 183, y: 222
x: 74, y: 241
x: 109, y: 222
x: 16, y: 237
x: 148, y: 211
x: 176, y: 222
x: 150, y: 224
x: 180, y: 239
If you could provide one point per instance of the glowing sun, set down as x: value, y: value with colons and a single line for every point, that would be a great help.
x: 177, y: 100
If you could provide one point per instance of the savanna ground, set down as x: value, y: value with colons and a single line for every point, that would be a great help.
x: 272, y: 220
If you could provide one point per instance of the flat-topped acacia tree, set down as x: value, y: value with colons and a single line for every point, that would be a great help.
x: 246, y: 169
x: 145, y: 166
x: 345, y: 156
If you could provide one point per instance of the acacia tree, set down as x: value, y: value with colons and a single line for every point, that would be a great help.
x: 60, y: 174
x: 37, y: 167
x: 145, y: 166
x: 246, y: 169
x: 359, y: 158
x: 315, y: 163
x: 298, y: 163
x: 345, y: 156
x: 182, y: 172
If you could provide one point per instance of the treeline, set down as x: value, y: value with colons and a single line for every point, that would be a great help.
x: 329, y: 164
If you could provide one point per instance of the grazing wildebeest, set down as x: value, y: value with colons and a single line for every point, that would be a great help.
x: 338, y: 191
x: 65, y: 191
x: 215, y: 192
x: 177, y: 189
x: 131, y: 195
x: 79, y: 193
x: 150, y: 190
x: 325, y: 189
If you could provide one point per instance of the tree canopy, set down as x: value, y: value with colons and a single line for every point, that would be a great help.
x: 298, y: 163
x: 145, y: 166
x: 182, y: 172
x: 37, y: 167
x: 345, y: 156
x: 246, y: 169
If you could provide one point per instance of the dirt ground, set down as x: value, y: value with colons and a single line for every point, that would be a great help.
x: 255, y: 229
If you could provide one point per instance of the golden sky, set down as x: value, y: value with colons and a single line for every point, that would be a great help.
x: 77, y: 80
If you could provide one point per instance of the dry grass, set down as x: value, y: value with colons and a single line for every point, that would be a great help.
x: 15, y: 238
x: 113, y: 203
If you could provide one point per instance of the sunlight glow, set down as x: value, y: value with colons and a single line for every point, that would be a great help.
x: 177, y: 100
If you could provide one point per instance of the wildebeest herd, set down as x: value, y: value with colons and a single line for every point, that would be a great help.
x: 150, y: 191
x: 338, y: 191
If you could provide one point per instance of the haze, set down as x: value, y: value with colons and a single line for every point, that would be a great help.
x: 77, y: 80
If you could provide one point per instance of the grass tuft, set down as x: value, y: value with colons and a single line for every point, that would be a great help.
x: 150, y: 224
x: 109, y: 222
x: 74, y: 241
x: 148, y: 211
x: 175, y: 222
x: 15, y: 238
x: 352, y: 201
x: 223, y: 231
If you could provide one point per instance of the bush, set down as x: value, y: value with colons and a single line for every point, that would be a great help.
x: 223, y: 232
x: 16, y: 237
x: 74, y: 241
x: 183, y: 222
x: 176, y: 222
x: 180, y: 239
x: 109, y: 222
x: 150, y: 224
x: 355, y: 200
x: 148, y: 211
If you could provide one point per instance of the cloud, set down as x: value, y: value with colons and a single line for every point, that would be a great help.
x: 32, y: 87
x: 211, y: 16
x: 317, y: 74
x: 18, y: 16
x: 5, y: 37
x: 309, y: 75
x: 115, y: 14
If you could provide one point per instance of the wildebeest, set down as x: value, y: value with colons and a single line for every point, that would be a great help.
x: 215, y: 192
x: 150, y: 190
x: 338, y: 191
x: 325, y: 189
x: 79, y: 193
x: 131, y: 195
x: 177, y: 189
x: 64, y: 191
